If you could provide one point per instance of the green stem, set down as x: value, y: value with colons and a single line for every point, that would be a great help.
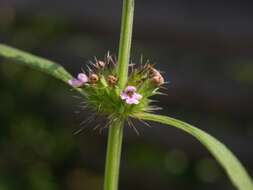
x: 113, y: 156
x: 125, y: 41
x: 116, y: 129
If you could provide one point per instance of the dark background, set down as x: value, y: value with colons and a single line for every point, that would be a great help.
x: 206, y: 49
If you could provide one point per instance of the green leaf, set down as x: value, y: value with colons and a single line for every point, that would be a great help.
x: 236, y: 172
x: 38, y: 63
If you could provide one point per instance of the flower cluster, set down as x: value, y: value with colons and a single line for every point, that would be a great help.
x: 104, y: 95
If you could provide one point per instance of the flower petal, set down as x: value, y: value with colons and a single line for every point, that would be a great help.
x: 75, y: 83
x: 82, y: 77
x: 124, y: 96
x: 132, y: 101
x: 130, y: 89
x: 137, y: 96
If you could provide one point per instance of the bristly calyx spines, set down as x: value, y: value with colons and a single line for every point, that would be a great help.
x: 103, y: 96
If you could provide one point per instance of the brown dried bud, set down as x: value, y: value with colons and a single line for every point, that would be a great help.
x: 93, y: 78
x: 99, y: 64
x: 158, y: 79
x: 154, y: 75
x: 152, y: 71
x: 112, y: 80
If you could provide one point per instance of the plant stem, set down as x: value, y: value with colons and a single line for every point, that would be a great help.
x: 125, y: 41
x: 116, y: 129
x: 113, y: 156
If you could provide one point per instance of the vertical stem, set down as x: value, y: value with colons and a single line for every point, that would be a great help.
x: 125, y: 41
x: 113, y: 156
x: 116, y: 129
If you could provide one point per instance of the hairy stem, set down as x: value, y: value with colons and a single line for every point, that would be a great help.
x: 116, y: 129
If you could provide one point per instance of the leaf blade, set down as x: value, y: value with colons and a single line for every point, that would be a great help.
x: 235, y: 170
x: 33, y: 61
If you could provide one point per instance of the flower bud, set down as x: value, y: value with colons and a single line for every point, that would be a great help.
x: 158, y: 79
x: 112, y: 80
x: 82, y: 77
x: 93, y: 78
x: 100, y: 64
x: 153, y: 72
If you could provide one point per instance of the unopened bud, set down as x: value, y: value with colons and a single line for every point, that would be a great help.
x: 100, y: 64
x: 158, y: 79
x: 93, y: 78
x: 152, y: 71
x: 112, y: 80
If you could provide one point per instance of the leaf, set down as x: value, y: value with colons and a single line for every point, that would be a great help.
x: 38, y: 63
x: 235, y: 170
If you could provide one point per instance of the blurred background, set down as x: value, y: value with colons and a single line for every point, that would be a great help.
x: 205, y: 48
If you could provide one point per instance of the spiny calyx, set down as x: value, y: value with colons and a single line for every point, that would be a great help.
x: 104, y: 96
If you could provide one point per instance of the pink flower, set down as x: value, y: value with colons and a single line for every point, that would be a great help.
x: 79, y: 81
x: 130, y: 96
x: 82, y: 77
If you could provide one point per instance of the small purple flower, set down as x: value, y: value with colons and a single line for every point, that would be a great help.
x: 79, y: 81
x: 130, y: 96
x: 82, y: 77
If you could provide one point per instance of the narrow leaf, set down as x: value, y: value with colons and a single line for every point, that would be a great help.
x: 35, y: 62
x: 236, y: 172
